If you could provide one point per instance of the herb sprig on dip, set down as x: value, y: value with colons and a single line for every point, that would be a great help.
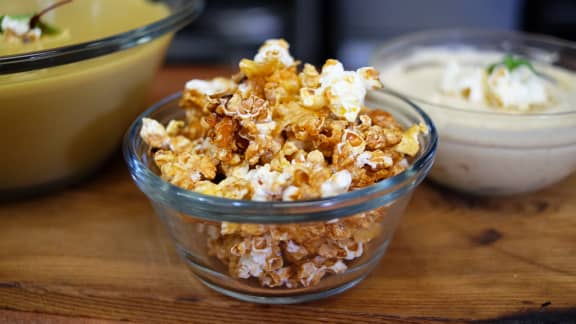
x: 511, y: 62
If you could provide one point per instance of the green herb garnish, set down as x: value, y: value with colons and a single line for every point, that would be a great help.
x: 34, y: 20
x: 512, y: 63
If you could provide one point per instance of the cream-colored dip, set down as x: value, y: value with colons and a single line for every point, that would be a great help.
x: 523, y: 143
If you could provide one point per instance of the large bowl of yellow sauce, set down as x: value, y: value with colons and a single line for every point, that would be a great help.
x: 67, y: 98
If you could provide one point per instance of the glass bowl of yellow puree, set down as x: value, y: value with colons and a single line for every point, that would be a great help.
x: 67, y: 96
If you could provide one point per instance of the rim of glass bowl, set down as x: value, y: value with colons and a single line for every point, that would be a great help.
x: 185, y: 11
x: 452, y: 35
x: 219, y: 209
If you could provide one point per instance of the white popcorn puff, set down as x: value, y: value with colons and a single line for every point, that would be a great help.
x: 350, y: 254
x: 211, y: 87
x: 274, y: 49
x: 245, y: 89
x: 252, y: 265
x: 468, y: 84
x: 296, y: 251
x: 337, y: 267
x: 343, y: 91
x: 518, y: 89
x: 313, y: 271
x: 265, y: 183
x: 370, y: 77
x: 292, y: 247
x: 19, y: 27
x: 239, y: 171
x: 289, y: 193
x: 355, y: 150
x: 365, y: 158
x: 337, y: 184
x: 154, y: 133
x: 266, y: 128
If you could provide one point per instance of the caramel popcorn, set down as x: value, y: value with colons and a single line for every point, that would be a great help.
x: 274, y: 133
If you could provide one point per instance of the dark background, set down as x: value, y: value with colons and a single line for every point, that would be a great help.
x: 349, y: 30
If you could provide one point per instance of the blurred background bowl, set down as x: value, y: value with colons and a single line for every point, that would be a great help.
x: 63, y: 110
x: 492, y: 152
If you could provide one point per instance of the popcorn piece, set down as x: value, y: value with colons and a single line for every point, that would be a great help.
x: 343, y: 91
x: 467, y: 84
x: 235, y: 188
x: 291, y: 193
x: 295, y: 252
x: 184, y: 169
x: 212, y: 87
x: 337, y: 184
x: 309, y: 77
x: 364, y: 159
x: 17, y: 26
x: 353, y: 250
x: 253, y: 264
x: 354, y: 140
x: 266, y: 184
x: 154, y: 134
x: 520, y: 89
x: 375, y: 160
x: 337, y: 267
x: 174, y: 127
x: 201, y: 94
x: 309, y: 273
x: 243, y: 229
x: 279, y: 278
x: 265, y: 129
x: 410, y: 144
x: 14, y: 28
x: 257, y: 256
x: 251, y: 108
x: 207, y: 187
x: 274, y: 50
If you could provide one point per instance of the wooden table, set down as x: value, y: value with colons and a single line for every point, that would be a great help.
x: 96, y: 252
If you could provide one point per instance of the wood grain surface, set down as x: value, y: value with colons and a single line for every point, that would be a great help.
x: 97, y: 253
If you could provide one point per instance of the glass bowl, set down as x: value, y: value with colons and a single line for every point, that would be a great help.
x: 63, y: 110
x: 203, y: 227
x: 494, y: 153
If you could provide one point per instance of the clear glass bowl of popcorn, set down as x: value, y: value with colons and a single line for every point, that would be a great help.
x: 280, y: 252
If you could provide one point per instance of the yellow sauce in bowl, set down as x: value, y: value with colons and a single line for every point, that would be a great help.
x: 61, y: 122
x: 82, y: 20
